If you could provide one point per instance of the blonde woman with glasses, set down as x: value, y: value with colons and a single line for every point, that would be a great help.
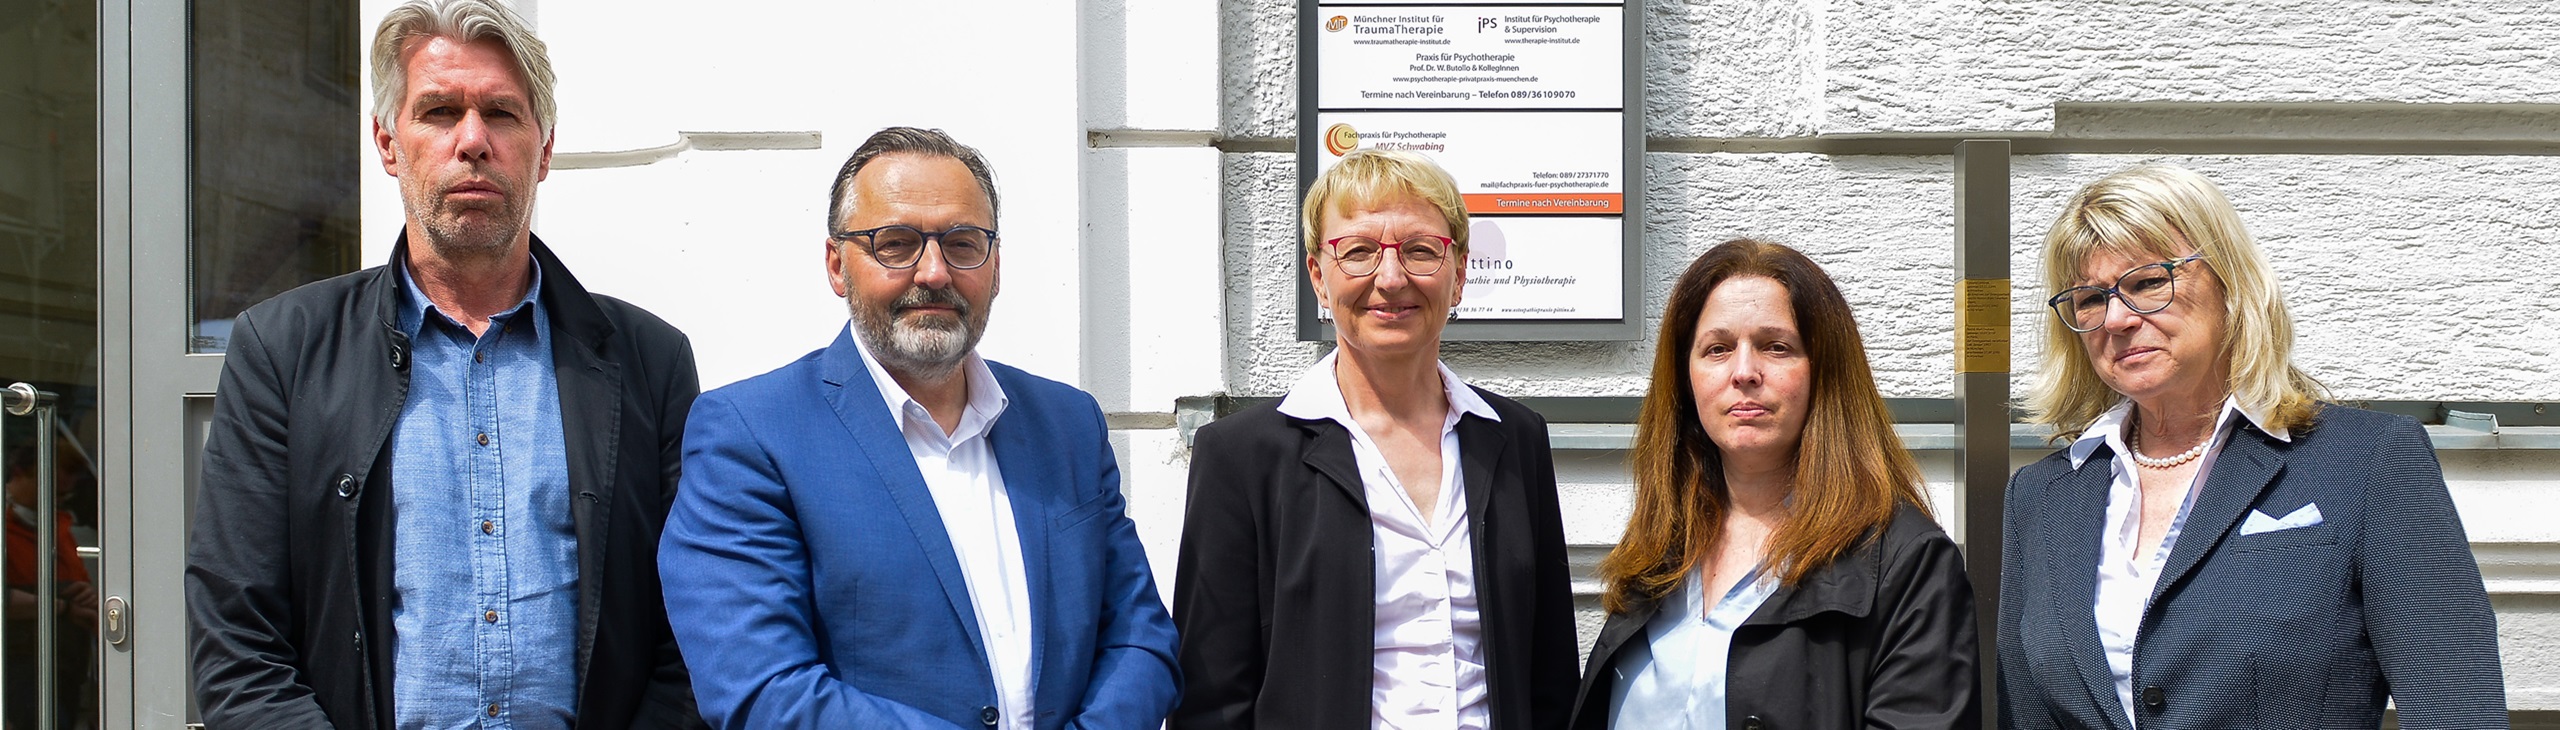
x: 1382, y: 547
x: 2214, y: 547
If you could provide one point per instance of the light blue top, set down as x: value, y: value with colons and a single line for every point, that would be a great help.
x: 484, y: 610
x: 1675, y: 679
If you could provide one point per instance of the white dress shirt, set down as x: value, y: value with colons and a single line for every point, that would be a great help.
x: 2127, y: 572
x: 1426, y: 665
x: 960, y: 472
x: 1675, y: 678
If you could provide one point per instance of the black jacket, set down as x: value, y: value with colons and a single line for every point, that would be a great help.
x: 1275, y: 588
x: 289, y: 561
x: 1881, y: 638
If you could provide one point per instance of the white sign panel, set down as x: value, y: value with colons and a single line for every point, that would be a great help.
x: 1487, y: 57
x: 1525, y: 105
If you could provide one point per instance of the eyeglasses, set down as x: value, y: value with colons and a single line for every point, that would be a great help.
x: 1423, y: 253
x: 2145, y: 289
x: 901, y: 247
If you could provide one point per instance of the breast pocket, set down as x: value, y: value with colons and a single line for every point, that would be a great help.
x: 1082, y: 514
x: 2322, y: 534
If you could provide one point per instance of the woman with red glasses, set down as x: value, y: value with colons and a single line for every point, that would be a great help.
x: 1381, y: 547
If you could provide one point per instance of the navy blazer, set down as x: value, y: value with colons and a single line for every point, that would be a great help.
x: 812, y: 585
x: 2310, y: 627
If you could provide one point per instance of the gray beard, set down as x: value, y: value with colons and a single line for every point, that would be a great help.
x: 449, y: 235
x: 927, y: 349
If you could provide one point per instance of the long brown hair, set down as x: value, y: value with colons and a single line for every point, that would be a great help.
x: 1850, y: 467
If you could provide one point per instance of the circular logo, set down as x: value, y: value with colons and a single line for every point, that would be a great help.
x: 1337, y: 23
x: 1341, y: 139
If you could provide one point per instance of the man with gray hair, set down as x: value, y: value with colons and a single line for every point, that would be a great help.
x: 892, y: 532
x: 432, y: 489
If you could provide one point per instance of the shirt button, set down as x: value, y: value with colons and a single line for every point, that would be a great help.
x: 2152, y: 697
x: 493, y: 709
x: 1753, y: 723
x: 488, y: 527
x: 484, y: 439
x: 482, y: 356
x: 491, y: 617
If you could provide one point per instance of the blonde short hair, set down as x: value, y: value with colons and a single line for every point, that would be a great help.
x: 1376, y: 176
x: 461, y: 20
x: 2157, y: 212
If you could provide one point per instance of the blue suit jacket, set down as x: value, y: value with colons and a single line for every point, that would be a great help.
x: 811, y: 584
x: 2309, y: 627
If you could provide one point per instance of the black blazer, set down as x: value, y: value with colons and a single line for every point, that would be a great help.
x: 289, y: 561
x: 1275, y: 589
x: 2309, y: 627
x: 1881, y: 638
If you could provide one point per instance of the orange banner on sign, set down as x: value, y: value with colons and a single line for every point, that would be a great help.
x: 1497, y: 203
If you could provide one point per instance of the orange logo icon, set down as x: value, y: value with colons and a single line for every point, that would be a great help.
x: 1340, y: 139
x: 1337, y: 23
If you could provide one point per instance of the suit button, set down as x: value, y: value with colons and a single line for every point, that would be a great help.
x: 987, y: 716
x: 2152, y: 697
x: 347, y: 486
x: 1753, y: 723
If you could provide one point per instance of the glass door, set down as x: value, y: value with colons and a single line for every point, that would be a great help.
x: 231, y: 144
x: 49, y: 341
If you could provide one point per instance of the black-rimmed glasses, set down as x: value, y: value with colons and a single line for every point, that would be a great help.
x: 1422, y: 253
x: 2145, y: 289
x: 901, y: 247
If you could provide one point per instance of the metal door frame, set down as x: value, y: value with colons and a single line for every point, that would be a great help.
x: 149, y: 376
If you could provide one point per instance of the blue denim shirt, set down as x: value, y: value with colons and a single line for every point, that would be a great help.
x: 484, y: 611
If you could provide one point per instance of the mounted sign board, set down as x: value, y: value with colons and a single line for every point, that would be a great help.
x: 1536, y: 108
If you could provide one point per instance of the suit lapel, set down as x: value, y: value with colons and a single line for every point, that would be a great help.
x: 591, y: 430
x: 1030, y: 477
x: 856, y: 400
x: 1327, y: 450
x: 1481, y: 445
x: 2245, y: 468
x: 2077, y: 515
x: 1620, y: 627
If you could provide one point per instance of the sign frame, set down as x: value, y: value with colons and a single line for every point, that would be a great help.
x: 1628, y: 326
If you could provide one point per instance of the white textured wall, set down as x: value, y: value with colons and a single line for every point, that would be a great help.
x: 1893, y: 65
x: 1777, y: 68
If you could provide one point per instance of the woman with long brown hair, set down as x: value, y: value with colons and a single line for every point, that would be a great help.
x: 1781, y: 569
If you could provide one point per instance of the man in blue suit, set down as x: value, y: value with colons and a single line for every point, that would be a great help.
x: 894, y: 533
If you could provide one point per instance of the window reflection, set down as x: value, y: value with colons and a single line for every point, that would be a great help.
x: 49, y: 338
x: 275, y: 133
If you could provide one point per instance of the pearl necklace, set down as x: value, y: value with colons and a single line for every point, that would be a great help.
x: 2166, y: 461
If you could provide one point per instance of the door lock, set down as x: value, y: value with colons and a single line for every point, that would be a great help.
x: 113, y: 620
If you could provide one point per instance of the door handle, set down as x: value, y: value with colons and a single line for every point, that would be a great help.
x: 113, y: 620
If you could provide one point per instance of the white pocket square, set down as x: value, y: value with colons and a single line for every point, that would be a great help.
x: 2259, y: 522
